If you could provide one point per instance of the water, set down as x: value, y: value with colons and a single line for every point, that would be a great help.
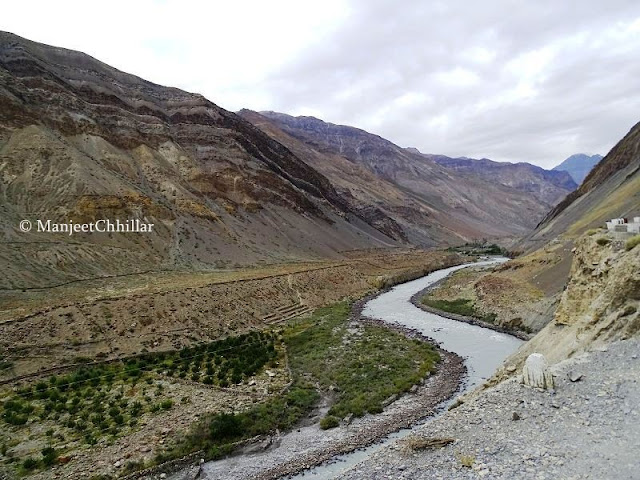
x: 484, y: 351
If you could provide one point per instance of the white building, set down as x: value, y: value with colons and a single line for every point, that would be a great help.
x: 623, y: 225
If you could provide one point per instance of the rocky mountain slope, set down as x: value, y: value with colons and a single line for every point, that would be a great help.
x: 612, y: 189
x: 409, y: 187
x: 600, y: 304
x: 548, y: 186
x: 82, y: 141
x: 578, y: 165
x: 526, y: 291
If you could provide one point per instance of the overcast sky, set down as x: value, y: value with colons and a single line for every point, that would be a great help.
x: 531, y: 81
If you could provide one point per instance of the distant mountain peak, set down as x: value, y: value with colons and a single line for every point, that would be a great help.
x: 579, y: 165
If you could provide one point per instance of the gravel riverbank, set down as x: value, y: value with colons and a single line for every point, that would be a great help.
x: 588, y: 428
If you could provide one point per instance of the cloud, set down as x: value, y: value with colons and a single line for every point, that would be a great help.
x: 508, y: 80
x: 513, y: 81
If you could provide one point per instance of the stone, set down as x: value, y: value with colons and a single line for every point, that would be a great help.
x: 515, y: 416
x: 163, y: 475
x: 574, y: 376
x: 511, y: 368
x: 536, y: 372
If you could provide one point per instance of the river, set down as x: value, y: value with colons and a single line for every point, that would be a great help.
x: 483, y: 349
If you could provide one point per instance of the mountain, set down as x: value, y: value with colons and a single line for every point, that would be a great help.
x: 548, y: 186
x: 611, y: 189
x: 455, y: 203
x: 81, y: 141
x: 578, y: 165
x: 571, y: 273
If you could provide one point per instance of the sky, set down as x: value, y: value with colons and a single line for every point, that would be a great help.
x: 504, y: 79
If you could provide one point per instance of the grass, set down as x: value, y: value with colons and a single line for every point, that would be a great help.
x: 363, y: 366
x: 460, y: 306
x: 358, y: 367
x: 632, y: 242
x: 329, y: 422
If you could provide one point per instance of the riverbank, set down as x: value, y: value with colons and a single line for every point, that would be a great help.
x: 309, y: 446
x: 417, y: 301
x: 586, y: 428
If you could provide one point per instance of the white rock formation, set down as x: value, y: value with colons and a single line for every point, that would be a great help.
x: 536, y: 372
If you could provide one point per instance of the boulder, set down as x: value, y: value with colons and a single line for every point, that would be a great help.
x: 536, y: 372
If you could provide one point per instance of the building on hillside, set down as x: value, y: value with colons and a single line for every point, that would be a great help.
x: 623, y: 225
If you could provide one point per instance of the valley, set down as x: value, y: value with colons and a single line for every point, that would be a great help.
x: 313, y: 300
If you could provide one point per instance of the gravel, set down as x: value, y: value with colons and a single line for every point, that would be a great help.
x: 587, y: 428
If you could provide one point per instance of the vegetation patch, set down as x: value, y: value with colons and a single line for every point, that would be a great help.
x: 362, y: 365
x: 460, y: 306
x: 98, y: 403
x: 480, y: 248
x: 632, y: 242
x: 359, y: 366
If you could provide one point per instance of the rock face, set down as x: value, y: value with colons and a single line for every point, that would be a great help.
x: 433, y: 203
x: 81, y: 141
x: 536, y: 372
x: 600, y: 304
x: 578, y: 166
x: 611, y: 190
x: 548, y: 186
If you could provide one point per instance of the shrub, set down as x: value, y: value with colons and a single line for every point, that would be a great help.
x: 49, y: 456
x: 466, y: 460
x: 602, y: 241
x: 329, y: 422
x: 225, y: 427
x: 30, y: 463
x: 632, y: 242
